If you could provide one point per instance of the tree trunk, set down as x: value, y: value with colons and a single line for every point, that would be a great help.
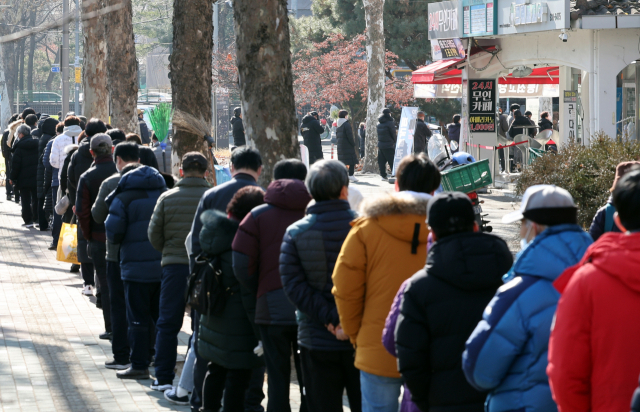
x: 8, y: 63
x: 32, y: 51
x: 190, y: 72
x: 122, y: 67
x: 94, y: 73
x: 373, y: 11
x: 266, y: 81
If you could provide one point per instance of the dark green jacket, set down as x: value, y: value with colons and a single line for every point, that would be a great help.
x: 228, y: 339
x: 172, y: 218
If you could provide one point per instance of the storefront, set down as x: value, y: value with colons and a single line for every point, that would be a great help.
x: 545, y: 50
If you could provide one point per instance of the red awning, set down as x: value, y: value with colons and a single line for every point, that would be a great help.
x: 442, y: 72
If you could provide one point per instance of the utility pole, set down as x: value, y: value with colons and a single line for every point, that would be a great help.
x: 77, y: 59
x: 64, y: 59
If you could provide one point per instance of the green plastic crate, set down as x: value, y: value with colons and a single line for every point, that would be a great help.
x: 467, y: 178
x: 534, y: 154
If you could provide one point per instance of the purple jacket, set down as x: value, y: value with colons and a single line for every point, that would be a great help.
x: 389, y: 342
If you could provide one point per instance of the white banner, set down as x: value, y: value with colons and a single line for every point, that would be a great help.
x: 404, y: 143
x: 454, y: 91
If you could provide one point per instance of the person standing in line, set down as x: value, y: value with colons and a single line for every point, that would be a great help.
x: 69, y: 136
x: 147, y: 156
x: 237, y: 128
x: 6, y: 154
x: 48, y: 129
x: 346, y: 144
x: 325, y: 351
x: 593, y: 349
x: 442, y: 303
x: 101, y: 149
x: 507, y: 352
x: 386, y: 245
x: 125, y: 154
x: 362, y: 135
x: 421, y: 135
x: 386, y: 142
x: 512, y: 110
x: 52, y: 177
x: 130, y: 209
x: 256, y: 248
x: 168, y: 230
x: 24, y: 167
x: 453, y: 130
x: 311, y: 131
x: 144, y: 130
x: 228, y: 339
x: 503, y: 130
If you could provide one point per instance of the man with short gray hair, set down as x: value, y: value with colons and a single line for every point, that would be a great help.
x: 308, y: 255
x: 24, y: 167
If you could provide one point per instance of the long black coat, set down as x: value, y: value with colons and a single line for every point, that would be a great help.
x: 386, y: 132
x: 24, y: 163
x: 421, y: 136
x: 311, y: 131
x: 346, y: 144
x: 442, y: 305
x: 48, y: 129
x: 238, y: 131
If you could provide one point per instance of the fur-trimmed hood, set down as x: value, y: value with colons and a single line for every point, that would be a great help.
x: 70, y: 148
x: 12, y: 132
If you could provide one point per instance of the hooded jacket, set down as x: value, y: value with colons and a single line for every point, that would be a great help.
x: 69, y: 136
x: 229, y: 338
x: 100, y: 209
x: 346, y: 143
x: 308, y: 256
x: 507, y: 352
x: 386, y: 132
x: 24, y: 163
x: 311, y: 131
x: 237, y: 131
x: 48, y: 129
x: 64, y: 174
x: 453, y: 130
x: 385, y: 247
x: 130, y: 209
x: 79, y: 163
x: 600, y: 221
x: 12, y: 138
x: 593, y: 351
x: 256, y: 249
x: 442, y: 304
x: 172, y: 218
x: 545, y: 124
x: 88, y: 189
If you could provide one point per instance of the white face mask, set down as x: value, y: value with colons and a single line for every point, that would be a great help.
x: 524, y: 243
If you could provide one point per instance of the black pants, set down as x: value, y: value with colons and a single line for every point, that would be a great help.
x: 279, y: 343
x: 43, y: 216
x: 385, y: 156
x: 98, y: 254
x: 86, y: 270
x: 7, y: 167
x: 29, y: 196
x: 142, y: 314
x: 234, y: 384
x: 119, y: 327
x: 352, y: 167
x: 326, y: 375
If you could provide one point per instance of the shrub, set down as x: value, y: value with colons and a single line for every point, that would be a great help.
x: 587, y: 172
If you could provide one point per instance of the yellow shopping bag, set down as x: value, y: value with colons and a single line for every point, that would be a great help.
x: 68, y: 244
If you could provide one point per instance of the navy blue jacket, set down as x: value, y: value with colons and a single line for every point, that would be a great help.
x: 130, y: 208
x: 507, y: 352
x: 599, y: 223
x: 216, y: 198
x: 386, y: 129
x: 308, y: 255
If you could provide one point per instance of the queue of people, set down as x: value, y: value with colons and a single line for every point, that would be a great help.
x: 402, y: 292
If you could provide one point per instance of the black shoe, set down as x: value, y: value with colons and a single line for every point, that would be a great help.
x: 9, y: 197
x: 106, y: 336
x: 74, y: 268
x: 98, y: 301
x: 117, y: 365
x: 157, y: 386
x: 172, y: 397
x: 17, y: 199
x: 131, y: 373
x: 53, y: 246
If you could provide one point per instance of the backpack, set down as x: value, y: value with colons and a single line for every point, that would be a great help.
x: 205, y: 291
x: 609, y: 211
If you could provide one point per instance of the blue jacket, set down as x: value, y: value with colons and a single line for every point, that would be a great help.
x: 308, y: 255
x: 507, y: 351
x: 130, y: 208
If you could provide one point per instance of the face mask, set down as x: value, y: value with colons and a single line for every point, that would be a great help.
x: 524, y: 243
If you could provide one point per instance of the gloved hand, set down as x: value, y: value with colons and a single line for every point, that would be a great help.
x: 259, y: 350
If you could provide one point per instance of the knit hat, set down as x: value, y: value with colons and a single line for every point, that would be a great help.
x: 546, y: 205
x: 450, y: 212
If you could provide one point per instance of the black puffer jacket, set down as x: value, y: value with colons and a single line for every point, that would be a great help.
x: 311, y: 131
x: 48, y: 129
x: 442, y: 305
x: 148, y: 157
x: 545, y: 124
x: 386, y: 132
x: 308, y: 255
x: 238, y: 131
x: 80, y: 162
x: 421, y: 136
x: 514, y: 130
x: 24, y: 162
x: 346, y: 143
x: 228, y: 339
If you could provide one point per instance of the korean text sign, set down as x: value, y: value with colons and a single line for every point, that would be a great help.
x: 482, y: 106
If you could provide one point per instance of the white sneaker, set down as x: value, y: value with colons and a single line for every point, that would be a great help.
x: 386, y: 179
x: 87, y: 290
x: 353, y: 178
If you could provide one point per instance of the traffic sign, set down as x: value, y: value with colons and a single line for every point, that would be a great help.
x: 78, y: 75
x: 55, y: 69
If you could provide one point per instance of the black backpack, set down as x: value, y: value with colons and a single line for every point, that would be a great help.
x: 205, y: 291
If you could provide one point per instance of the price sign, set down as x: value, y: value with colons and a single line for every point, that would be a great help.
x: 482, y: 106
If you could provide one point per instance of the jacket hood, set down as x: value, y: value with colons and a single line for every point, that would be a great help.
x: 616, y: 254
x: 12, y: 138
x: 308, y: 118
x: 396, y: 213
x: 84, y: 149
x: 70, y: 148
x: 470, y: 261
x: 385, y: 118
x: 49, y: 126
x: 342, y: 121
x: 552, y: 251
x: 72, y: 131
x: 142, y: 178
x: 217, y: 232
x: 290, y: 194
x: 26, y: 143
